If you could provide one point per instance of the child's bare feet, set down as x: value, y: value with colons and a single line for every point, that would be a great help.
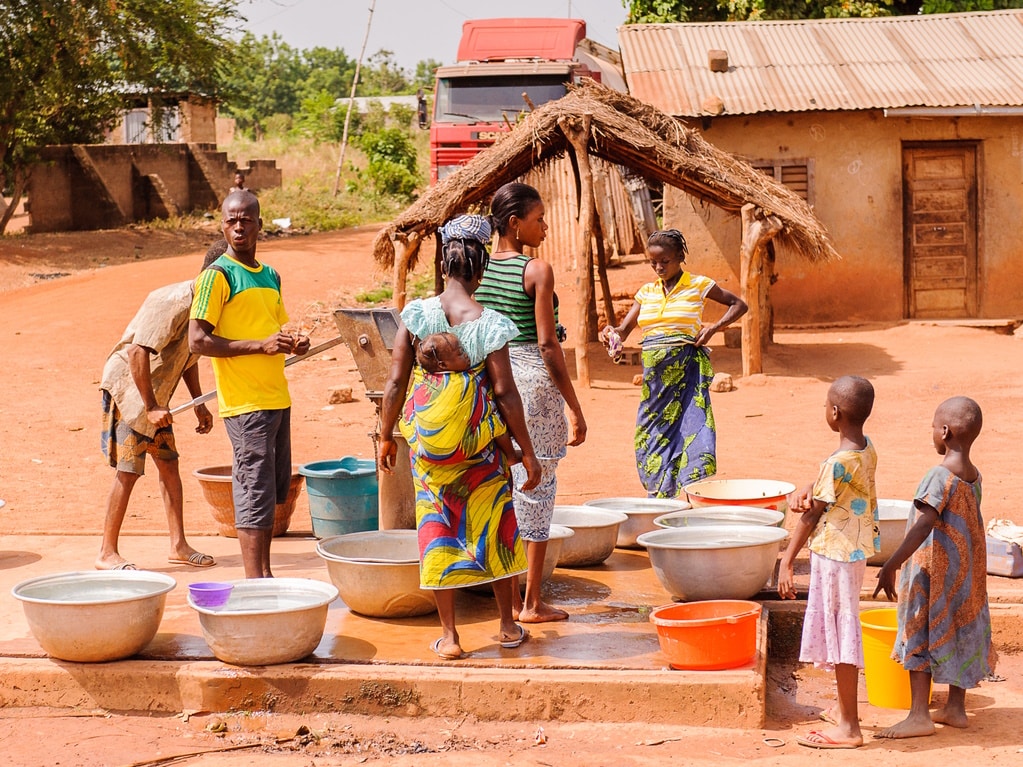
x: 953, y: 717
x: 911, y: 727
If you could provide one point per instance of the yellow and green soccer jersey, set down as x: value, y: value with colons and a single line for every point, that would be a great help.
x: 243, y: 303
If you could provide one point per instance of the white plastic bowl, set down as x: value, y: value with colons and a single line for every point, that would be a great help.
x: 377, y: 572
x: 720, y: 515
x: 267, y: 620
x: 94, y: 616
x: 726, y: 562
x: 892, y: 516
x: 641, y: 513
x: 596, y: 532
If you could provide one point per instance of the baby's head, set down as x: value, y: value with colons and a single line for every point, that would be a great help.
x: 442, y: 353
x: 853, y: 396
x: 959, y: 419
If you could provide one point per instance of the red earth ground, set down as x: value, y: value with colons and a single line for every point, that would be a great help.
x: 66, y: 298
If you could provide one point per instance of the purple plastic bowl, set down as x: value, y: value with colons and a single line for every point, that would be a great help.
x: 210, y: 595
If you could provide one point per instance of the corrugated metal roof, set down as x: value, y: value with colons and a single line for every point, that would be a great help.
x: 940, y: 60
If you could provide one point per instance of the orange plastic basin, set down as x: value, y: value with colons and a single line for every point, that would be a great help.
x: 707, y: 636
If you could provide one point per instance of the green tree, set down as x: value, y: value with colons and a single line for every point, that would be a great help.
x: 670, y: 11
x: 383, y: 77
x: 263, y: 79
x: 424, y: 76
x: 70, y: 62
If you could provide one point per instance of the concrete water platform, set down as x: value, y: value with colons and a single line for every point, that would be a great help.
x: 603, y: 664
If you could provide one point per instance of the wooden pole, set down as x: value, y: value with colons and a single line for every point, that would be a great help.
x: 758, y: 228
x: 605, y: 285
x: 405, y: 248
x: 351, y: 100
x: 579, y: 138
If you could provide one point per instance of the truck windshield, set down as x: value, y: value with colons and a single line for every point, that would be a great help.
x: 490, y: 99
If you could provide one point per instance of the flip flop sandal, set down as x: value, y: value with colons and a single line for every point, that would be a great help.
x: 817, y: 739
x: 511, y: 644
x: 124, y: 566
x: 443, y: 655
x: 197, y: 559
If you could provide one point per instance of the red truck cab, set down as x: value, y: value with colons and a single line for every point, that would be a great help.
x: 499, y: 60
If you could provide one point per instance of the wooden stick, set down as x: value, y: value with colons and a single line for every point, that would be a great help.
x: 190, y: 754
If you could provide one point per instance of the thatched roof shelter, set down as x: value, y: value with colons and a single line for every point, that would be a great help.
x: 595, y: 120
x: 626, y: 132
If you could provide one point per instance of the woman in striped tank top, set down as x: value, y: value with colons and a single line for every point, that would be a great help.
x: 522, y: 288
x: 676, y: 440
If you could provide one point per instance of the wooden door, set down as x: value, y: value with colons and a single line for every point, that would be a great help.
x: 940, y: 229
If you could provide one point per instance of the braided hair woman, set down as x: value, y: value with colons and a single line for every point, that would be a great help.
x: 464, y: 514
x: 676, y: 440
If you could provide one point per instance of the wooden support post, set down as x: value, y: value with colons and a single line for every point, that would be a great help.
x: 579, y: 137
x: 605, y: 285
x: 405, y: 248
x: 758, y: 229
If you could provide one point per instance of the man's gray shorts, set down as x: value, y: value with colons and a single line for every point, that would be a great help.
x: 261, y: 442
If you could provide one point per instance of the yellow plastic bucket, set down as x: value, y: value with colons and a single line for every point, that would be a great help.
x: 887, y: 680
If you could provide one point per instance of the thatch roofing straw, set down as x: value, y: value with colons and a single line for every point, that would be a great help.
x: 627, y: 132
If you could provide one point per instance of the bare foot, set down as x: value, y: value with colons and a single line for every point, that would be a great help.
x: 950, y: 716
x: 543, y: 613
x: 910, y: 727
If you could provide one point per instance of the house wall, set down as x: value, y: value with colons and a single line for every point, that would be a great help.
x: 112, y: 188
x: 857, y: 165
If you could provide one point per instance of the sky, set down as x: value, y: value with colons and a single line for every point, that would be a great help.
x: 413, y: 30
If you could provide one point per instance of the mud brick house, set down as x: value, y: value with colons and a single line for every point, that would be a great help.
x: 905, y: 135
x: 143, y: 171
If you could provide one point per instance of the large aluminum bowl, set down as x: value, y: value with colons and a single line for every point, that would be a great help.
x: 267, y: 620
x: 596, y: 532
x: 727, y: 562
x: 96, y: 615
x: 892, y: 516
x: 641, y: 513
x: 377, y: 572
x: 720, y: 515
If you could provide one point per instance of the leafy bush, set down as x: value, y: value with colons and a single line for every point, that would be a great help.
x: 392, y: 161
x: 401, y: 115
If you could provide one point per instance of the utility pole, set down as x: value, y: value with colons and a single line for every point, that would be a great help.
x: 351, y: 100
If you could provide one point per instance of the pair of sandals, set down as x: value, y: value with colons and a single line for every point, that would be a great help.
x: 507, y: 644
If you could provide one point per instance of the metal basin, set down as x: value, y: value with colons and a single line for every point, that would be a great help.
x: 720, y: 515
x: 596, y: 532
x: 377, y: 572
x: 708, y: 562
x: 765, y: 493
x: 94, y: 616
x: 892, y: 516
x: 641, y: 513
x: 267, y: 620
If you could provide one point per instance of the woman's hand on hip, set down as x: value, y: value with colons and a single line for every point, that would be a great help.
x: 704, y: 336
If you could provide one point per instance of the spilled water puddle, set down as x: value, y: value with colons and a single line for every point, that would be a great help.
x: 615, y: 613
